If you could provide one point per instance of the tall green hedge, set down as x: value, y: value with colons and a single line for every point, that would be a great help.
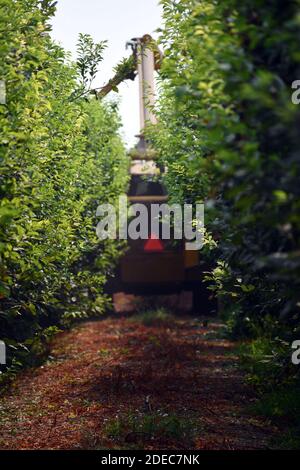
x: 229, y: 134
x: 60, y: 156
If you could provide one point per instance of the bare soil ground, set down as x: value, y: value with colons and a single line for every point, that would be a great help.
x: 121, y: 384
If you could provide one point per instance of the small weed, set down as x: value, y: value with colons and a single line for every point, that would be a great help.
x: 158, y: 317
x: 263, y: 358
x: 104, y: 352
x: 154, y: 340
x: 124, y: 351
x: 272, y: 374
x: 288, y: 441
x: 140, y: 428
x: 283, y: 403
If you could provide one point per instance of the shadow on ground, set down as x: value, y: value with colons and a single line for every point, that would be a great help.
x: 130, y: 383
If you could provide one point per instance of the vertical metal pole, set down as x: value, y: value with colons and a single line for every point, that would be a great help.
x: 146, y: 82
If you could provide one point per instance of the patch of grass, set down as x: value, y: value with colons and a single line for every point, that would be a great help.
x: 268, y: 363
x: 104, y: 352
x: 281, y: 403
x: 140, y: 428
x: 288, y: 441
x: 157, y: 317
x: 271, y: 372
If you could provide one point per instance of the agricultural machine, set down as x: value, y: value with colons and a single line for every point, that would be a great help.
x: 153, y: 266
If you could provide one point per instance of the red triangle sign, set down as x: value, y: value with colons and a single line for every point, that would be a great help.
x: 153, y: 243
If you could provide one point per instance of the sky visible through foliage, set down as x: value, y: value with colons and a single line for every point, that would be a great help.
x: 117, y: 21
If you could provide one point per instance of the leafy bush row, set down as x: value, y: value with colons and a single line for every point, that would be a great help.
x: 60, y: 156
x: 229, y: 134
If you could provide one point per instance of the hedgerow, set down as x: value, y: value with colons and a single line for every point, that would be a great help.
x: 228, y: 134
x: 60, y: 156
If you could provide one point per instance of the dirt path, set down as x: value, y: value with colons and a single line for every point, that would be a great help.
x: 118, y: 383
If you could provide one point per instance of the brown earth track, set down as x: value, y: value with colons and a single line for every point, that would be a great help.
x: 105, y: 370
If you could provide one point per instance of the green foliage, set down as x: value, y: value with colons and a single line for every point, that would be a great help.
x: 265, y: 357
x: 257, y: 169
x: 151, y: 317
x: 228, y: 133
x: 124, y: 70
x: 281, y: 403
x: 59, y: 159
x: 138, y: 428
x: 269, y: 369
x: 289, y: 440
x: 89, y: 56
